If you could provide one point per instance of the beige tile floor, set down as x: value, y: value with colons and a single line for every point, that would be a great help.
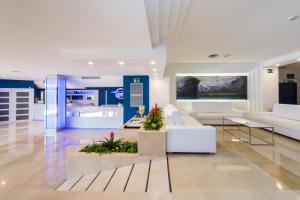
x: 32, y: 165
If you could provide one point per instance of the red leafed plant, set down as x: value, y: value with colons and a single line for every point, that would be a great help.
x: 112, y: 135
x: 154, y: 120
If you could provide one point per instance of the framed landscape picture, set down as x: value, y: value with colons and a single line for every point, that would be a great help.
x: 211, y: 87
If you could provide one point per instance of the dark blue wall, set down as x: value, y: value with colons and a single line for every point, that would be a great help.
x: 111, y: 99
x: 129, y: 112
x: 8, y: 83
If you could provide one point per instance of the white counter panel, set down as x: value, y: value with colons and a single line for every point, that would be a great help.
x: 95, y: 117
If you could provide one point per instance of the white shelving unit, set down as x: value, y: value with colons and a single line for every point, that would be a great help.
x: 16, y: 105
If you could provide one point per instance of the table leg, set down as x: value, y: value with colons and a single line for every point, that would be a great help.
x: 223, y: 128
x: 250, y: 142
x: 273, y: 136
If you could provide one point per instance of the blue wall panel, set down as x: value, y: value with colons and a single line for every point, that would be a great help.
x: 111, y: 99
x: 129, y: 112
x: 6, y: 83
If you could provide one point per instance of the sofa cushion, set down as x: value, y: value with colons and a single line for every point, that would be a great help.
x: 168, y: 117
x: 279, y: 121
x: 287, y: 111
x: 176, y: 116
x: 212, y: 107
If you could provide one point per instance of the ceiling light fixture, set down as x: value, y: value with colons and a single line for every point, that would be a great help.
x: 213, y: 55
x: 277, y: 65
x: 90, y: 63
x: 298, y: 59
x: 155, y: 74
x: 152, y: 62
x: 121, y: 63
x: 293, y: 18
x: 15, y: 71
x: 154, y: 69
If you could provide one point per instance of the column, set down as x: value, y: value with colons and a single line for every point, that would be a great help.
x: 55, y: 103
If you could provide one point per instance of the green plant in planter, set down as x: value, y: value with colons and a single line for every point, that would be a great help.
x: 109, y: 145
x: 154, y: 120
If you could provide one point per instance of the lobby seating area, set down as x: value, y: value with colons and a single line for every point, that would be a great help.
x: 284, y: 118
x: 149, y: 100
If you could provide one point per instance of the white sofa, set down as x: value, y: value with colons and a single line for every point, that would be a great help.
x: 186, y: 135
x: 285, y: 119
x: 214, y: 112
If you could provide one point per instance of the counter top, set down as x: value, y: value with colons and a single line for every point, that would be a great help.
x: 94, y: 108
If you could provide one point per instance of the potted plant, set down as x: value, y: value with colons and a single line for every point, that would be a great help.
x: 152, y: 135
x: 154, y: 120
x: 110, y: 145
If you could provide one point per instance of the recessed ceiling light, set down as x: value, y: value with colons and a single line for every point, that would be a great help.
x: 90, y: 63
x: 293, y: 18
x: 154, y: 69
x: 213, y: 55
x: 15, y: 71
x: 121, y: 63
x: 298, y: 59
x: 277, y: 65
x: 152, y: 62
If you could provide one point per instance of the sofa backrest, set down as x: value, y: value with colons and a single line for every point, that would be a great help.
x: 286, y: 111
x: 212, y: 107
x: 172, y: 115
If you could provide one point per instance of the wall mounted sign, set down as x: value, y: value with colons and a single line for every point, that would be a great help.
x: 119, y: 93
x: 136, y: 80
x: 270, y: 71
x: 80, y: 92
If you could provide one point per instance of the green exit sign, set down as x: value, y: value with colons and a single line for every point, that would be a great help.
x: 136, y: 80
x: 270, y: 71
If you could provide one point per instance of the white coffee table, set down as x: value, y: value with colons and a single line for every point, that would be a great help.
x: 250, y: 125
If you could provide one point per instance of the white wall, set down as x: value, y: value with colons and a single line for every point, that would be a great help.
x: 104, y: 81
x: 270, y: 89
x: 159, y: 91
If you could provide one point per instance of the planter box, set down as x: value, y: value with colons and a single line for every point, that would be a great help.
x: 152, y: 143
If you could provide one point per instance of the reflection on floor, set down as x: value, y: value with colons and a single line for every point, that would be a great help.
x: 33, y: 165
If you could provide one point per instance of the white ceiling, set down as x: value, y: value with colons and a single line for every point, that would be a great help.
x: 252, y: 31
x: 37, y: 36
x: 60, y: 36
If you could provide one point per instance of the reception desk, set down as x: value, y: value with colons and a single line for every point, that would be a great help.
x: 108, y: 116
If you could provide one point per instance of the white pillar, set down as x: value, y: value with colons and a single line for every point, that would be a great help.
x: 55, y: 103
